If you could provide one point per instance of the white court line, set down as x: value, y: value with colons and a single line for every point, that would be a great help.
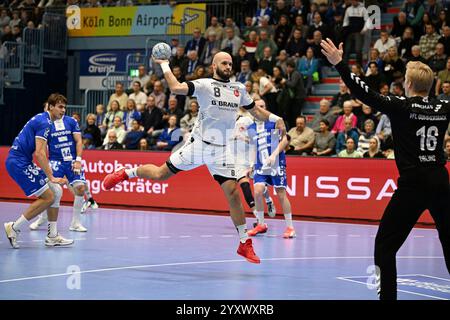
x: 164, y: 237
x: 405, y: 291
x: 81, y: 239
x: 144, y: 237
x: 206, y: 236
x: 185, y: 236
x: 419, y: 237
x: 332, y: 235
x: 311, y: 235
x: 198, y: 263
x: 122, y: 238
x: 354, y: 235
x: 101, y: 238
x: 228, y: 235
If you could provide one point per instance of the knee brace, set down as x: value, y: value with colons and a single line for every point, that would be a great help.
x: 248, y: 194
x: 57, y: 192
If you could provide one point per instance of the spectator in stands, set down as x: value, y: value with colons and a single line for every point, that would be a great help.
x: 172, y: 110
x: 278, y: 78
x: 433, y: 8
x: 428, y: 42
x: 340, y: 97
x: 400, y: 25
x: 267, y: 27
x: 438, y: 61
x: 348, y: 114
x: 4, y: 18
x: 318, y: 49
x: 265, y: 41
x: 77, y: 117
x: 87, y: 141
x: 142, y: 77
x: 158, y: 94
x: 134, y: 134
x: 415, y: 50
x: 406, y: 44
x: 358, y: 71
x: 443, y: 76
x: 295, y: 90
x: 267, y: 90
x: 279, y: 11
x: 349, y: 132
x: 17, y: 33
x: 143, y: 145
x: 299, y: 23
x: 267, y: 61
x: 442, y: 21
x: 100, y: 119
x: 414, y: 10
x: 92, y: 4
x: 248, y: 28
x: 384, y: 132
x: 324, y: 113
x: 397, y: 89
x: 317, y: 25
x: 384, y: 43
x: 392, y: 64
x: 118, y: 129
x: 447, y: 149
x: 366, y: 135
x: 7, y: 35
x: 313, y: 8
x: 301, y: 138
x: 324, y: 142
x: 112, y: 143
x: 170, y: 136
x: 365, y: 114
x: 15, y: 19
x: 282, y: 60
x: 212, y: 45
x: 308, y: 66
x: 188, y: 120
x: 374, y: 57
x: 445, y: 95
x: 447, y: 133
x: 375, y: 78
x: 282, y: 32
x: 384, y: 90
x: 152, y: 117
x: 374, y: 150
x: 189, y: 67
x: 244, y: 75
x: 215, y: 28
x: 174, y: 43
x: 298, y: 9
x: 229, y: 23
x: 356, y: 24
x: 445, y: 40
x: 138, y: 96
x: 93, y: 130
x: 120, y: 96
x: 350, y: 150
x: 114, y: 112
x: 231, y: 43
x: 296, y: 45
x: 179, y: 59
x: 130, y: 114
x: 197, y: 43
x: 262, y: 11
x: 251, y: 44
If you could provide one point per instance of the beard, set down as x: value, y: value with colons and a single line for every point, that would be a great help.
x: 222, y: 75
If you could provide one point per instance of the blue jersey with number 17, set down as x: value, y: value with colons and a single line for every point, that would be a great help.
x: 61, y: 144
x: 267, y: 137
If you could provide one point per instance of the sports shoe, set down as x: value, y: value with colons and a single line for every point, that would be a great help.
x: 85, y: 206
x: 260, y: 228
x: 114, y: 178
x: 77, y: 227
x: 57, y: 241
x: 11, y: 234
x: 94, y: 204
x: 271, y: 210
x: 289, y: 233
x: 246, y: 250
x: 38, y: 222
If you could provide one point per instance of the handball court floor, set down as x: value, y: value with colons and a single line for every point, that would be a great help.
x: 129, y: 254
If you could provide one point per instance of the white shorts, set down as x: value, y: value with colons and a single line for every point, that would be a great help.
x: 195, y: 152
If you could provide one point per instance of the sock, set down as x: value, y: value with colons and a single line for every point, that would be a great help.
x: 52, y: 229
x: 44, y: 215
x: 267, y: 196
x: 288, y: 219
x: 260, y: 217
x: 88, y: 193
x: 242, y: 230
x: 19, y: 222
x: 77, y: 204
x: 131, y: 173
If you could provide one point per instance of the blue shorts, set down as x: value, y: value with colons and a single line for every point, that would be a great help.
x: 30, y: 178
x: 64, y: 168
x: 278, y: 181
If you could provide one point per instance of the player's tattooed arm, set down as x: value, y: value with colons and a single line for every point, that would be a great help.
x: 175, y: 86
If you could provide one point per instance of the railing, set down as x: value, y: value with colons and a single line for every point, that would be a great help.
x: 55, y: 35
x: 34, y: 47
x: 94, y: 97
x: 12, y: 54
x: 2, y: 72
x: 134, y: 60
x: 81, y: 109
x: 112, y: 78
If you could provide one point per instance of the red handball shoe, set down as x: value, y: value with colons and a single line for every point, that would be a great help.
x: 246, y: 250
x: 260, y: 228
x: 114, y: 178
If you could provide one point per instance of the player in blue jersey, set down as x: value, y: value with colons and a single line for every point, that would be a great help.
x: 269, y: 169
x: 35, y: 181
x: 65, y: 151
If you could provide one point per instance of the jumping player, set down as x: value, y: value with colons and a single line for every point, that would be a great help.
x: 270, y: 169
x: 418, y: 127
x: 65, y: 151
x: 219, y: 99
x: 34, y: 181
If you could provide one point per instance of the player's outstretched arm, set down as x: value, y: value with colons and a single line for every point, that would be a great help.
x: 175, y: 86
x: 263, y: 115
x: 357, y: 87
x: 41, y: 156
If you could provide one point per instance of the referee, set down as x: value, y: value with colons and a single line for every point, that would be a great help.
x: 418, y: 127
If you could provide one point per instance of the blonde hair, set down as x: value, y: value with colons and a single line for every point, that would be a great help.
x: 420, y: 75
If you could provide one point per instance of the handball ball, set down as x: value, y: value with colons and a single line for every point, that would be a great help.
x: 161, y: 51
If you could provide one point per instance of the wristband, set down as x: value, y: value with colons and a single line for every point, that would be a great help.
x: 165, y: 67
x: 78, y: 159
x: 273, y: 117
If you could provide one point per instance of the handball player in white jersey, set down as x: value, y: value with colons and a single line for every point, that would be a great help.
x: 209, y: 142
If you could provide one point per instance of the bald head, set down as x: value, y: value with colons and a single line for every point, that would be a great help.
x: 222, y: 65
x: 219, y: 56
